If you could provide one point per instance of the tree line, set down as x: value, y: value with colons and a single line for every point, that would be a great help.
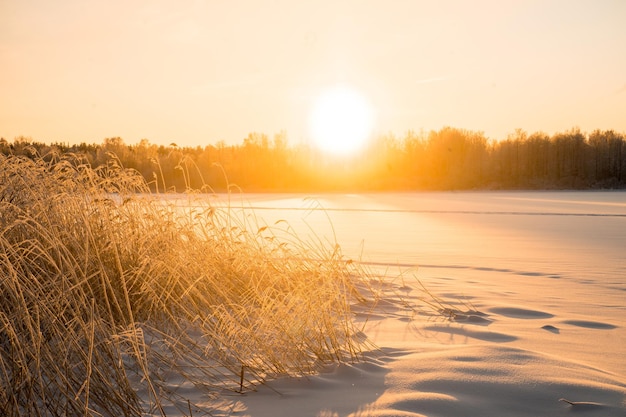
x: 447, y: 159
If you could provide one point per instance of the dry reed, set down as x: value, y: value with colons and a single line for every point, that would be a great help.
x: 109, y: 294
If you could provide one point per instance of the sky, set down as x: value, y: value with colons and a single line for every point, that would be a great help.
x: 195, y: 72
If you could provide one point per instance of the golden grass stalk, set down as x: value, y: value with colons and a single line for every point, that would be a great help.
x: 108, y: 294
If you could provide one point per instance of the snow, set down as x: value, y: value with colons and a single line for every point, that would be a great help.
x: 542, y: 276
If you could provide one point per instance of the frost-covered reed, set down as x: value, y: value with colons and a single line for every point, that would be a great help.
x: 109, y: 293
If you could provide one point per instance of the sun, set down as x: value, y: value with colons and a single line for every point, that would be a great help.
x: 341, y: 121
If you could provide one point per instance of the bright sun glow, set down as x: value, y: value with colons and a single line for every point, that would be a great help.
x: 341, y: 121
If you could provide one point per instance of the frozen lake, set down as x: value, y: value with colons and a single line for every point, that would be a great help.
x: 574, y: 235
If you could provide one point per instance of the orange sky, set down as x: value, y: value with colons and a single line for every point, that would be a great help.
x: 196, y: 72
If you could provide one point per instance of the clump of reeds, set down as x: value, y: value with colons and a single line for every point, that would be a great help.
x: 109, y: 293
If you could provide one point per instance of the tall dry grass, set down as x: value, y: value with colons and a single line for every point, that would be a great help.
x: 110, y: 295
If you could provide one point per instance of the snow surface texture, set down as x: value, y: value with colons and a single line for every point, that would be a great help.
x: 536, y: 284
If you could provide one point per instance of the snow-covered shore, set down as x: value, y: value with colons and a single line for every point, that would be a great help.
x: 536, y: 283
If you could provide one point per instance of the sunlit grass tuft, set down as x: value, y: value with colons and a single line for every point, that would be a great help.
x: 108, y: 294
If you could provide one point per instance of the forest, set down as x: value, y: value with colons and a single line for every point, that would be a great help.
x: 447, y: 159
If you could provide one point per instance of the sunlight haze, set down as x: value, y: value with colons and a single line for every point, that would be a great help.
x: 199, y: 72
